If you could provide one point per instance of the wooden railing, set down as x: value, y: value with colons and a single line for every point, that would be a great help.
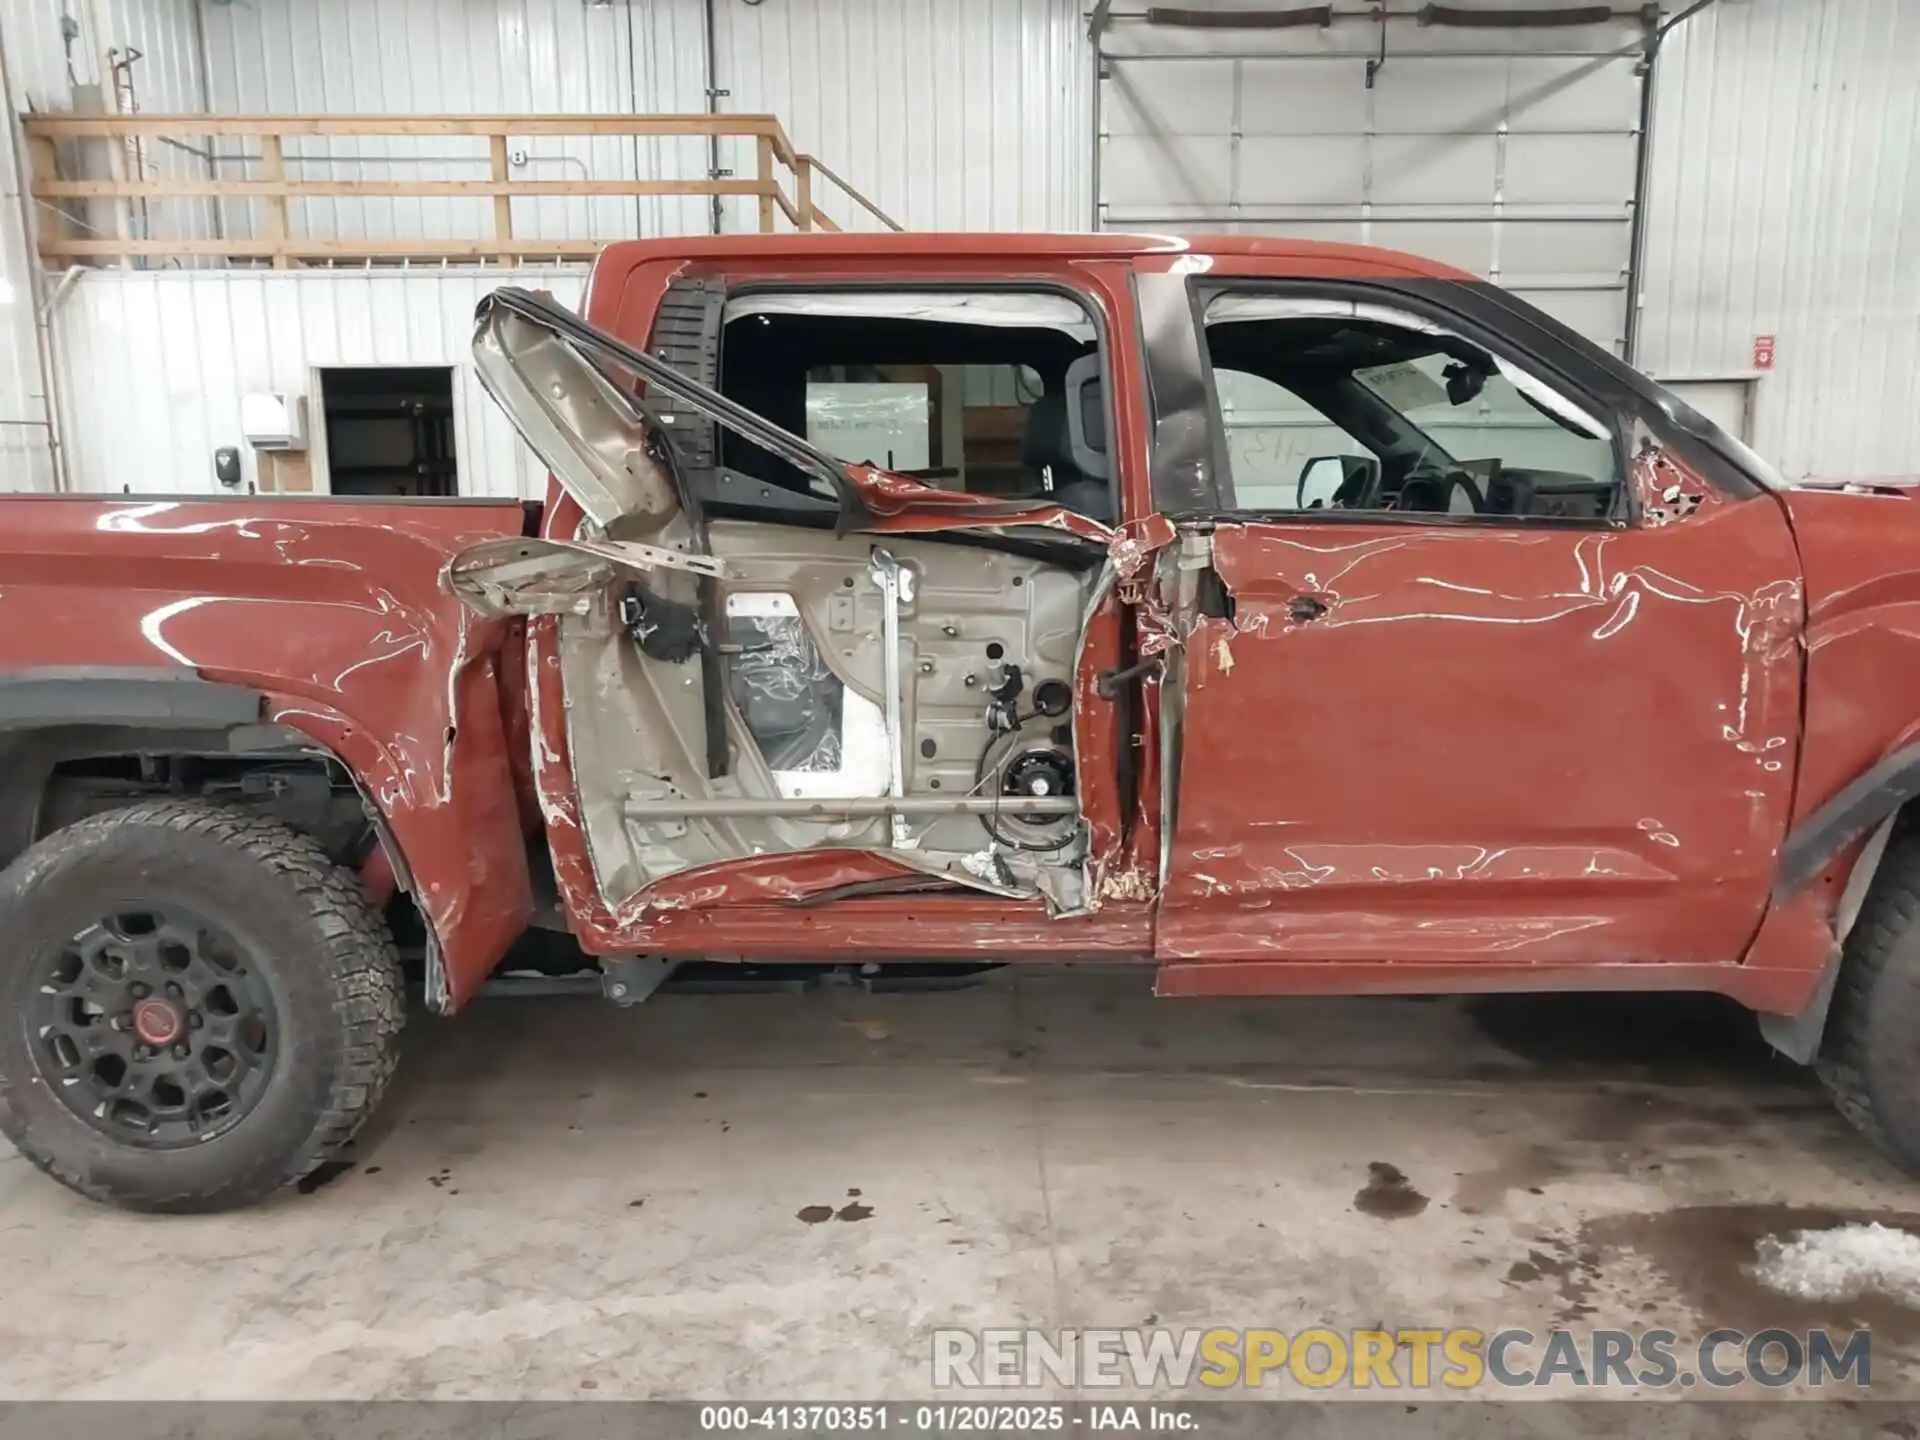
x: 96, y: 180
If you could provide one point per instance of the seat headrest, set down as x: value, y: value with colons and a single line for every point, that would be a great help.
x: 1046, y: 444
x: 1087, y: 417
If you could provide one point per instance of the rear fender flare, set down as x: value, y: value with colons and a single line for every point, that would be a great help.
x: 443, y: 854
x: 1868, y: 807
x: 51, y: 714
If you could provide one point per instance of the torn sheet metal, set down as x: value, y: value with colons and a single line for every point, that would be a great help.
x: 523, y: 576
x: 1666, y: 492
x: 803, y: 876
x: 895, y: 504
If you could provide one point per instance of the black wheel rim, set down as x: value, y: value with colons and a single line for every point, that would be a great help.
x: 153, y: 1027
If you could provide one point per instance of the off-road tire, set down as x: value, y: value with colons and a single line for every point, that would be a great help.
x: 307, y: 930
x: 1869, y: 1057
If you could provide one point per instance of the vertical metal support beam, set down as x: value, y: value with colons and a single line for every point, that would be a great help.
x: 38, y: 158
x: 1642, y: 180
x: 718, y: 209
x: 1096, y: 29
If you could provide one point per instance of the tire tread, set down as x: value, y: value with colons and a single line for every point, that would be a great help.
x: 1875, y: 996
x: 361, y: 967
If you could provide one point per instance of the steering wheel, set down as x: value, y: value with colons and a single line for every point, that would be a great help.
x: 1430, y: 489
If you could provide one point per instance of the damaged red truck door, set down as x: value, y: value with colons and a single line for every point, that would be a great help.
x: 1278, y: 617
x: 1512, y: 718
x: 945, y: 643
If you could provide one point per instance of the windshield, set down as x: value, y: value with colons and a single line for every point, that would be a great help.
x: 1464, y: 415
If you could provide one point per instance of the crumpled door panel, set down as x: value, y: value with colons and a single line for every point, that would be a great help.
x: 805, y: 714
x: 729, y: 696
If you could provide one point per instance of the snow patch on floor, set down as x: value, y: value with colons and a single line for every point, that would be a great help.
x: 1847, y: 1262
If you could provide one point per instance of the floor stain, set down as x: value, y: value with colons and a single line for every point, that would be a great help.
x: 815, y: 1214
x: 1537, y: 1264
x: 1706, y: 1254
x: 1528, y: 1167
x: 854, y: 1210
x: 325, y: 1174
x: 1388, y: 1194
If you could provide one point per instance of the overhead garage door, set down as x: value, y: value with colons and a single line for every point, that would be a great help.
x: 1508, y: 147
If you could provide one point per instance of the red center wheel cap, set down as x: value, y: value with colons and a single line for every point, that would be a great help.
x: 158, y: 1022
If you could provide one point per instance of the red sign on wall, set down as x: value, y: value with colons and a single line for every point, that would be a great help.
x: 1763, y: 352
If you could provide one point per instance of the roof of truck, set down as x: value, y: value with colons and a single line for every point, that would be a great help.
x: 997, y: 245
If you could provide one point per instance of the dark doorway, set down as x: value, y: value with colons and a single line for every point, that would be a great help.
x: 390, y: 430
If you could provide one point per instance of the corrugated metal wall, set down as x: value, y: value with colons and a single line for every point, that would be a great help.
x: 956, y: 114
x: 948, y: 114
x: 26, y: 440
x: 1509, y: 151
x: 1786, y: 163
x: 1785, y: 201
x: 155, y: 364
x: 49, y: 68
x: 469, y: 56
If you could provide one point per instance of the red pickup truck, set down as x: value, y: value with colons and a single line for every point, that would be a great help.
x: 1291, y: 618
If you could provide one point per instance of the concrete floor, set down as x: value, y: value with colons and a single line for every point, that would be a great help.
x: 561, y: 1199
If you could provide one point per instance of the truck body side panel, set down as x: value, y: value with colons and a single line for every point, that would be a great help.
x: 332, y: 611
x: 1861, y: 553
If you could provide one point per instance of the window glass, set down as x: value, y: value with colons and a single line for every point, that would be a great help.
x: 1498, y: 423
x: 1273, y: 437
x: 1329, y: 405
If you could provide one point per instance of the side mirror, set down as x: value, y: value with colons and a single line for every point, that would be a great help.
x: 1351, y: 478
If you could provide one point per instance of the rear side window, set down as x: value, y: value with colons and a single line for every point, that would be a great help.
x: 991, y: 393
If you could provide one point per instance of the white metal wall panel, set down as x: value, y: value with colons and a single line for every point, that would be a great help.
x: 26, y: 441
x: 1509, y: 152
x: 157, y: 43
x: 156, y: 363
x: 1783, y: 199
x: 949, y: 114
x: 467, y: 57
x: 47, y: 70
